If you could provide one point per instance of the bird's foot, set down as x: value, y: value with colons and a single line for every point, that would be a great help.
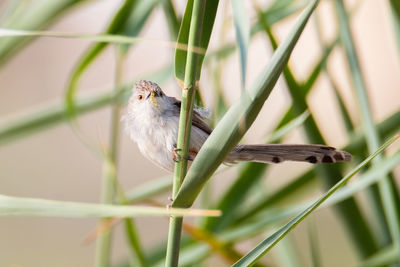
x: 176, y: 157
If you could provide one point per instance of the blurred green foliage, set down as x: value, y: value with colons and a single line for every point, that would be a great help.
x: 248, y: 211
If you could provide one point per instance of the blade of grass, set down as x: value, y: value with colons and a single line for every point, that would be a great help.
x: 350, y: 212
x: 196, y: 252
x: 100, y: 38
x: 250, y: 173
x: 385, y: 256
x: 149, y: 189
x: 110, y: 182
x: 253, y: 171
x: 396, y: 19
x: 238, y: 118
x: 19, y: 206
x: 271, y: 216
x: 373, y: 175
x: 242, y: 27
x: 33, y: 16
x: 312, y: 233
x: 103, y: 244
x: 343, y: 111
x: 273, y: 15
x: 116, y: 25
x: 276, y: 197
x: 260, y: 250
x: 388, y: 127
x: 172, y: 18
x: 132, y: 234
x: 367, y: 179
x: 386, y: 198
x: 109, y: 176
x: 49, y: 115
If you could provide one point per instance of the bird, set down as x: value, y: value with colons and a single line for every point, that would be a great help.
x: 152, y: 118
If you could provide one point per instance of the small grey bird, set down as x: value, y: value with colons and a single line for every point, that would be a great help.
x: 152, y: 120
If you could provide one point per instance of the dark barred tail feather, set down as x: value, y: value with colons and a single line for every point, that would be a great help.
x: 276, y: 153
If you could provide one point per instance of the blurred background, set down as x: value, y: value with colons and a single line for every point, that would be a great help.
x: 55, y: 164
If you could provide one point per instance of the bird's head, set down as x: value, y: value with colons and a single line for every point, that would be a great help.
x: 145, y: 93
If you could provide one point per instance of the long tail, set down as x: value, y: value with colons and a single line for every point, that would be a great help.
x: 276, y: 153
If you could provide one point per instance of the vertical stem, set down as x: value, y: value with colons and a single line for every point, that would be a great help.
x: 136, y: 252
x: 185, y: 123
x: 172, y: 18
x: 383, y: 199
x: 110, y: 183
x: 103, y: 245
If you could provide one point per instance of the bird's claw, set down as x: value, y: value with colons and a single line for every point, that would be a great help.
x: 176, y: 157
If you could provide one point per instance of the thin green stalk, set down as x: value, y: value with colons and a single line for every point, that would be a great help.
x: 385, y: 185
x: 111, y: 183
x: 396, y: 20
x: 172, y: 18
x: 268, y: 243
x: 103, y: 243
x: 137, y: 255
x: 92, y: 52
x: 312, y: 232
x: 343, y: 110
x: 351, y: 214
x: 185, y: 122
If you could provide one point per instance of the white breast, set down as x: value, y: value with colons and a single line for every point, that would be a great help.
x: 156, y: 133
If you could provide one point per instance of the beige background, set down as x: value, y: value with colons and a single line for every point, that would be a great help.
x: 54, y: 164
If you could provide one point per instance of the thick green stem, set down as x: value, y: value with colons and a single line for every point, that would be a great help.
x: 185, y: 123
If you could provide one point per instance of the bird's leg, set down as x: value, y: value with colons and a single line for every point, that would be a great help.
x: 175, y: 156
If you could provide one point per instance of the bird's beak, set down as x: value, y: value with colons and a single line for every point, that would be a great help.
x: 154, y: 93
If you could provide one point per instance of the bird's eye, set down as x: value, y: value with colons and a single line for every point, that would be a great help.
x: 140, y: 97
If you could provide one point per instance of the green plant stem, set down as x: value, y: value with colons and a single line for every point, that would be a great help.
x: 386, y: 200
x: 111, y: 183
x: 185, y: 122
x: 172, y: 18
x: 348, y: 209
x: 137, y: 255
x: 103, y: 243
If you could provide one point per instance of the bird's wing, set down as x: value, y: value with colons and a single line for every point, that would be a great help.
x: 197, y: 119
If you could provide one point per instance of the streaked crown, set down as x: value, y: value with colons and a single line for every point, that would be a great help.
x: 143, y: 86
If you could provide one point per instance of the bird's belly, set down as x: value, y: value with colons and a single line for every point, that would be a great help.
x: 158, y: 143
x: 158, y: 140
